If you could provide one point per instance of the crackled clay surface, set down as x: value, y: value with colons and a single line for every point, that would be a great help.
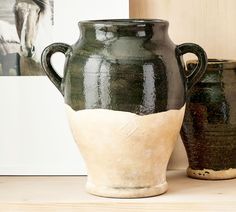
x: 126, y: 154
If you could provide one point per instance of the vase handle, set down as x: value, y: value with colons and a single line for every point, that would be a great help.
x: 200, y: 69
x: 47, y: 66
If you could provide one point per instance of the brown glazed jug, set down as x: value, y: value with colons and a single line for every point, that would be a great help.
x: 124, y: 86
x: 209, y: 127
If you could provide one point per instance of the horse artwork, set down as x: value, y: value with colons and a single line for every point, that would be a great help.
x: 33, y: 20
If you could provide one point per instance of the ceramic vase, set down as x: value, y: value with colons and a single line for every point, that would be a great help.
x: 209, y: 128
x: 124, y: 86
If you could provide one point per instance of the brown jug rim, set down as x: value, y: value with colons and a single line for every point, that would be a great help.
x: 216, y: 64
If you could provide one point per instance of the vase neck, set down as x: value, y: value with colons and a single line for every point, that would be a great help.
x: 108, y: 29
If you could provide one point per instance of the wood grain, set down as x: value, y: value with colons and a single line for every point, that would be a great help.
x: 209, y: 23
x: 23, y: 194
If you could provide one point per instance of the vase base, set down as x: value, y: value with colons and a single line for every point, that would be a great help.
x: 210, y: 174
x: 126, y: 192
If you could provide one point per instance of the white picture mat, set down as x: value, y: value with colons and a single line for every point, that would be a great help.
x: 35, y: 136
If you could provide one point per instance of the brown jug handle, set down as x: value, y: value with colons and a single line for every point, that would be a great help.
x: 47, y: 66
x: 200, y: 69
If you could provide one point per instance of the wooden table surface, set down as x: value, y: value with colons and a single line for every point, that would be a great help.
x: 67, y: 193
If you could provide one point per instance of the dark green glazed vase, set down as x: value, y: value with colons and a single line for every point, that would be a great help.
x: 124, y: 86
x: 209, y: 128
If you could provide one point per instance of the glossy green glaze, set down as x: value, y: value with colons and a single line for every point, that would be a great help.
x: 125, y: 65
x: 209, y: 128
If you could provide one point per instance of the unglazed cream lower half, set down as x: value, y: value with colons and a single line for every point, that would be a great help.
x: 126, y: 154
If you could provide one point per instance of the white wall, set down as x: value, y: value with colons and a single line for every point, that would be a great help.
x: 34, y: 135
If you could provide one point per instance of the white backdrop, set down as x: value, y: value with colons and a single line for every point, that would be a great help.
x: 34, y: 135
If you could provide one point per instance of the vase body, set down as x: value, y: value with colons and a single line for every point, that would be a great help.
x: 124, y: 87
x: 209, y: 128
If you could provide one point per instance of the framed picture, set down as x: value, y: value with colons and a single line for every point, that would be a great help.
x: 25, y: 30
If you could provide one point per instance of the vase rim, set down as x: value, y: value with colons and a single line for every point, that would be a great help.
x: 124, y: 22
